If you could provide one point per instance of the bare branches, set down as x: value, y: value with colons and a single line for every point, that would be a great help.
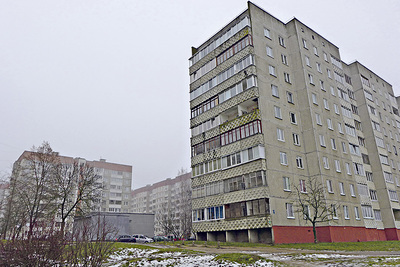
x: 312, y: 203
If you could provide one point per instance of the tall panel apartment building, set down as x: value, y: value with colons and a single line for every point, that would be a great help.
x: 168, y: 199
x: 273, y: 105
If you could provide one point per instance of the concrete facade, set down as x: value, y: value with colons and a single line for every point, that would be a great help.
x: 272, y: 105
x: 121, y: 223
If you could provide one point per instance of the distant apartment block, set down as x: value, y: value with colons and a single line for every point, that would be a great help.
x: 116, y: 180
x: 272, y: 105
x: 168, y: 199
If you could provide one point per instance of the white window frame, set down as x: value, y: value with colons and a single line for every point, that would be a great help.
x: 280, y: 134
x: 286, y: 184
x: 275, y: 90
x: 283, y: 158
x: 278, y: 112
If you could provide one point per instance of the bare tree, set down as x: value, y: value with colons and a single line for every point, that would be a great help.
x: 175, y: 216
x: 32, y: 186
x: 313, y: 205
x: 77, y: 188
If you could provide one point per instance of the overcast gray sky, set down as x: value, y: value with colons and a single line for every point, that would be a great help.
x: 107, y: 78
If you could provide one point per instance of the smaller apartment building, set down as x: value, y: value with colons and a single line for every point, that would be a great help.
x: 170, y: 198
x: 116, y: 179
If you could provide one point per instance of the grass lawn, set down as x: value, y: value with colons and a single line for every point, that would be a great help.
x: 340, y: 246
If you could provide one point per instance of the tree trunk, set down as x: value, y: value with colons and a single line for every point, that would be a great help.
x: 315, y: 233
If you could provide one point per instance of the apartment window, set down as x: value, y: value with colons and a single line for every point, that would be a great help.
x: 347, y: 112
x: 296, y: 139
x: 299, y: 162
x: 329, y: 186
x: 368, y: 96
x: 326, y: 104
x: 304, y: 43
x: 334, y: 211
x: 361, y: 141
x: 344, y: 149
x: 322, y: 85
x: 346, y: 212
x: 369, y: 176
x: 333, y: 91
x: 329, y: 123
x: 384, y: 159
x: 307, y: 61
x: 315, y: 51
x: 306, y: 212
x: 269, y: 52
x: 267, y: 33
x: 329, y: 72
x: 356, y: 213
x: 393, y: 195
x: 340, y: 129
x: 372, y: 110
x: 289, y: 211
x: 289, y: 96
x: 352, y: 190
x: 277, y: 111
x: 272, y: 70
x: 358, y: 169
x: 341, y: 188
x: 319, y: 67
x: 314, y: 98
x: 367, y: 212
x: 350, y: 130
x: 325, y: 162
x: 318, y: 119
x: 365, y: 158
x: 354, y: 149
x: 333, y: 144
x: 287, y: 77
x: 325, y: 57
x: 286, y: 184
x: 379, y: 142
x: 337, y: 165
x: 303, y: 187
x: 322, y: 140
x: 354, y: 109
x: 293, y: 118
x: 377, y: 214
x: 281, y: 41
x: 284, y: 59
x: 373, y: 195
x: 311, y: 79
x: 283, y: 158
x: 280, y: 134
x: 336, y: 108
x: 275, y: 91
x: 348, y: 169
x: 388, y: 177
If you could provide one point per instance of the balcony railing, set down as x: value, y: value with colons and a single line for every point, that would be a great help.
x: 239, y: 121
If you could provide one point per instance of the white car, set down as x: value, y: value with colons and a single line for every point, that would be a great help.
x: 142, y: 239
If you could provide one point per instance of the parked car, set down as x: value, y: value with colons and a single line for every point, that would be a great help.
x: 160, y: 238
x: 142, y: 239
x: 125, y: 238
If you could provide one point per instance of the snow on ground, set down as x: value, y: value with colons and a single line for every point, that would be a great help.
x: 152, y: 257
